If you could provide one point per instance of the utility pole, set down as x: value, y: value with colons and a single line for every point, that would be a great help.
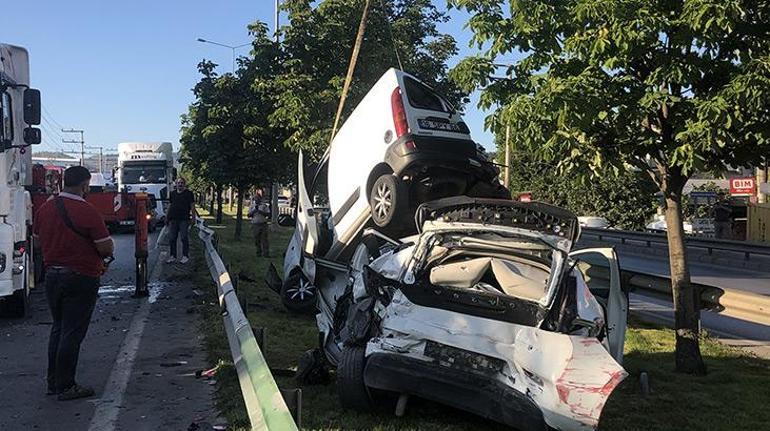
x: 82, y: 143
x: 507, y: 178
x: 101, y: 157
x: 277, y: 5
x: 274, y: 188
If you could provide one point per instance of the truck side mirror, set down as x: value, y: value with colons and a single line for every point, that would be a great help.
x: 31, y: 107
x: 173, y: 174
x: 32, y: 136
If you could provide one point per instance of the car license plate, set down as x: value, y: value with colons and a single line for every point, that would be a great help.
x: 439, y: 125
x: 126, y: 222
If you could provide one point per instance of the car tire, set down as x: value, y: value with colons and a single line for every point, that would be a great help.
x: 352, y: 390
x: 298, y: 294
x: 388, y: 200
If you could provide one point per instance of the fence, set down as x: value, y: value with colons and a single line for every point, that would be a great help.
x: 265, y: 404
x: 758, y: 224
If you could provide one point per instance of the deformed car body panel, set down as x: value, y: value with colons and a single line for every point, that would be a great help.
x: 568, y: 377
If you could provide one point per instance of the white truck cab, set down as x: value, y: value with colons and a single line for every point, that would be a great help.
x: 147, y: 167
x: 19, y: 111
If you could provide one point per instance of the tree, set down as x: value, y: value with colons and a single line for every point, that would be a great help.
x: 226, y: 135
x: 627, y: 200
x: 316, y: 52
x: 668, y: 87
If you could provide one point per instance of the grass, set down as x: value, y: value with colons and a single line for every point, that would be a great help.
x: 732, y: 396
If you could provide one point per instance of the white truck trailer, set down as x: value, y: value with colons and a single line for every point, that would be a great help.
x: 19, y: 111
x: 147, y: 167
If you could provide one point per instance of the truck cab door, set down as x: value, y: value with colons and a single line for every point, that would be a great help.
x: 601, y: 273
x: 307, y: 223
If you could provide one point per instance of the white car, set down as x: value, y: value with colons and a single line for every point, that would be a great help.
x: 403, y: 145
x: 486, y: 309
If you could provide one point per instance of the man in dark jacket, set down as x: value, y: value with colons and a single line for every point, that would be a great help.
x: 180, y: 212
x: 74, y: 242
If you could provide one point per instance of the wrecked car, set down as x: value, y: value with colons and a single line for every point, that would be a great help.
x: 487, y: 309
x: 403, y: 145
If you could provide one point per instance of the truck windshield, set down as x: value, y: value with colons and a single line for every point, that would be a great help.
x: 143, y: 174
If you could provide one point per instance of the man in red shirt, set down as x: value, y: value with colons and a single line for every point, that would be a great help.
x: 74, y: 242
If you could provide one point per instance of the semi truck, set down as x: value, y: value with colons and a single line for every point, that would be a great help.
x: 19, y: 112
x: 147, y: 167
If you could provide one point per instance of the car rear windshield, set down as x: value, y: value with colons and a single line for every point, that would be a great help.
x: 422, y: 97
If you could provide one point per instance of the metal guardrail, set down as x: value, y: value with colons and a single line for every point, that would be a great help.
x: 710, y: 244
x: 265, y: 405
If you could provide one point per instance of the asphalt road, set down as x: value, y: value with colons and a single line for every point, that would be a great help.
x: 733, y: 331
x: 140, y: 355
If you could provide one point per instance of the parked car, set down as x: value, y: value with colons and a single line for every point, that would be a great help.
x: 594, y: 222
x: 487, y: 309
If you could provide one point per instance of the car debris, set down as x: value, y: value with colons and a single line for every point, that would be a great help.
x: 487, y: 309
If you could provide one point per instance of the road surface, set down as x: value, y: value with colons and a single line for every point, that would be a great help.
x: 139, y: 355
x: 733, y: 331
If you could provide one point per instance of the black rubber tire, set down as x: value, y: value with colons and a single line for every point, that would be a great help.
x: 351, y: 388
x: 296, y: 297
x: 17, y: 305
x: 388, y: 200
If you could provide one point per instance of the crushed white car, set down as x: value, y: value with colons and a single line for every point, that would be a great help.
x: 486, y: 309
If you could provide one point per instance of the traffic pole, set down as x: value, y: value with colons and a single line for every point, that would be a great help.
x: 140, y: 244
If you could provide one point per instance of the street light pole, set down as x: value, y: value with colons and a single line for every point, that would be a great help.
x: 231, y: 47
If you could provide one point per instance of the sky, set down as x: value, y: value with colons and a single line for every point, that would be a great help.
x: 122, y: 71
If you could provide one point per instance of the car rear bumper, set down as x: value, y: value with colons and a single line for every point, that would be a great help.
x: 476, y: 393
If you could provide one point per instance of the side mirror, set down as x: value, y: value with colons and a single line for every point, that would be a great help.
x: 32, y: 136
x: 173, y: 174
x: 31, y: 107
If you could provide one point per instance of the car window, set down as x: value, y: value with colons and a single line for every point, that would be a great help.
x: 422, y: 97
x: 6, y: 125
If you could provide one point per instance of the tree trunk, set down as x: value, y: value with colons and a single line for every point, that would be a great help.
x: 211, y: 199
x: 239, y: 215
x: 686, y: 300
x: 219, y: 204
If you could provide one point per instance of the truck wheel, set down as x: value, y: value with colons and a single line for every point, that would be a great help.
x: 388, y: 199
x: 298, y: 294
x: 351, y: 388
x: 17, y: 304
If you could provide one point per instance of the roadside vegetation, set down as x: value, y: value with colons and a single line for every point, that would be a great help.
x: 732, y: 396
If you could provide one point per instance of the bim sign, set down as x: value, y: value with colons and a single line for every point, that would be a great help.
x: 742, y: 186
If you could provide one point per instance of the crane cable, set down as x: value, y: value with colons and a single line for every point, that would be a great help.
x: 351, y: 68
x: 392, y: 39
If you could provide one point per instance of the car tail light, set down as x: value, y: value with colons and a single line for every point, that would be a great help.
x: 19, y: 248
x: 399, y: 113
x: 399, y: 119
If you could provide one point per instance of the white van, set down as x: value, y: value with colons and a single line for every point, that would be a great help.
x: 403, y: 145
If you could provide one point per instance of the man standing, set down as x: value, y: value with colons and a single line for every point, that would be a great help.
x: 74, y: 242
x: 721, y: 212
x: 259, y: 213
x: 180, y: 212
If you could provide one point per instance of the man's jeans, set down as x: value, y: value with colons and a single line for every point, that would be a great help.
x: 177, y: 228
x: 71, y: 298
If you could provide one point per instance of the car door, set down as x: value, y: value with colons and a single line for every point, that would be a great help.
x: 601, y: 272
x: 307, y: 223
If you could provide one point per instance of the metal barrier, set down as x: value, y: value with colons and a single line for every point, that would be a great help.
x: 710, y: 244
x: 265, y: 405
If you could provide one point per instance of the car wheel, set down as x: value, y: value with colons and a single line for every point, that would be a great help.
x: 388, y: 199
x: 351, y: 388
x: 298, y: 294
x: 17, y: 304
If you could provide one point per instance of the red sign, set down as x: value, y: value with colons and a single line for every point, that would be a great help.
x: 742, y: 186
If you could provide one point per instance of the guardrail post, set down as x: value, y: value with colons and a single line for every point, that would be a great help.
x: 260, y: 334
x: 293, y: 399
